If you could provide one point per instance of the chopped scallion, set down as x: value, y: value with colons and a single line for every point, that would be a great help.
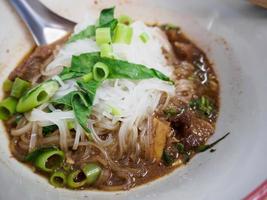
x: 100, y: 71
x: 92, y: 172
x: 102, y: 35
x: 7, y: 85
x: 19, y: 87
x: 106, y: 51
x: 123, y: 34
x: 87, y: 77
x: 37, y: 96
x: 58, y: 179
x: 7, y: 108
x: 124, y: 19
x: 144, y: 37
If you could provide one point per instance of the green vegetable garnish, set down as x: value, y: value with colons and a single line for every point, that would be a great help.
x: 170, y: 112
x: 123, y: 34
x: 106, y: 51
x: 58, y: 179
x: 7, y: 108
x: 7, y: 85
x: 88, y: 32
x: 203, y: 105
x: 180, y: 147
x: 84, y: 63
x: 37, y: 96
x: 42, y: 157
x: 19, y: 87
x: 87, y: 77
x: 167, y: 158
x: 76, y: 179
x: 100, y: 71
x: 144, y: 37
x: 124, y: 19
x: 205, y: 147
x: 81, y: 101
x: 92, y: 172
x: 102, y: 35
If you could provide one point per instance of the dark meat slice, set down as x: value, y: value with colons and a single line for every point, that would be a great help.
x: 30, y: 68
x: 191, y: 130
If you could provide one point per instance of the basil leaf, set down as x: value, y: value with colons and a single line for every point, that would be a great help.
x: 81, y: 111
x: 117, y: 68
x: 81, y: 101
x: 90, y: 89
x: 84, y: 63
x: 106, y: 16
x: 88, y: 32
x: 65, y: 100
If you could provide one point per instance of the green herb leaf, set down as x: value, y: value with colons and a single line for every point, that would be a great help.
x: 117, y: 68
x: 202, y: 105
x: 170, y: 112
x: 88, y: 32
x: 106, y: 16
x: 81, y: 101
x: 167, y: 158
x: 205, y: 147
x: 180, y: 147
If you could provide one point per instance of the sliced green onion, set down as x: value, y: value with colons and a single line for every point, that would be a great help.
x: 37, y: 96
x: 58, y: 179
x: 87, y: 77
x: 49, y: 160
x: 115, y: 111
x: 144, y: 37
x: 7, y: 108
x: 19, y: 87
x: 100, y: 71
x: 7, y: 85
x: 76, y: 179
x: 102, y: 35
x: 92, y: 172
x: 70, y: 125
x: 124, y: 19
x: 106, y: 50
x: 123, y: 34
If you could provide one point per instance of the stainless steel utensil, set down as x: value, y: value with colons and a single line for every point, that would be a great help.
x: 45, y: 26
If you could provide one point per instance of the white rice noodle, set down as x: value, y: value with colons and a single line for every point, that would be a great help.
x: 33, y: 139
x: 69, y: 86
x: 97, y: 139
x: 57, y: 117
x: 79, y: 132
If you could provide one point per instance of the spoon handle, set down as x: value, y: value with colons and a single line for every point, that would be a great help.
x: 45, y: 26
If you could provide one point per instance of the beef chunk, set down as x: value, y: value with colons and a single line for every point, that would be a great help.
x: 191, y: 130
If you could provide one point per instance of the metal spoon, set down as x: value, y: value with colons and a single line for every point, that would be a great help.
x: 45, y: 26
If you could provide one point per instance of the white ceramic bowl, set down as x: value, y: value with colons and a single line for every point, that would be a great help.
x: 233, y: 34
